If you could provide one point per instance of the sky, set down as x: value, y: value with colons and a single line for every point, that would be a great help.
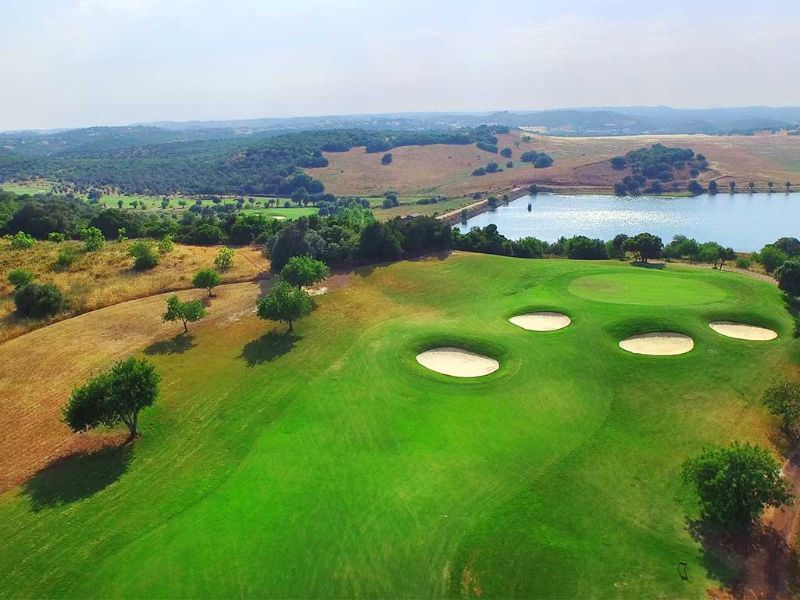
x: 75, y: 63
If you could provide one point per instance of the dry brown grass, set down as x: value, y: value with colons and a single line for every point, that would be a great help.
x: 38, y: 370
x: 447, y: 170
x: 103, y: 278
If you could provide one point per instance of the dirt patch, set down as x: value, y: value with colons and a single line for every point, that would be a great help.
x: 740, y: 331
x: 457, y: 362
x: 541, y: 321
x: 661, y: 343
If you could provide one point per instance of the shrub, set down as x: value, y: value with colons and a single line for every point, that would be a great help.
x: 19, y: 278
x: 166, y: 244
x: 386, y: 159
x: 66, y: 257
x: 93, y: 239
x: 56, y: 236
x: 744, y: 263
x: 771, y: 258
x: 144, y: 255
x: 224, y: 259
x: 38, y: 300
x: 22, y: 241
x: 782, y: 399
x: 479, y: 172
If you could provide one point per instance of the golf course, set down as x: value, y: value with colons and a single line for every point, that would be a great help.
x: 331, y: 462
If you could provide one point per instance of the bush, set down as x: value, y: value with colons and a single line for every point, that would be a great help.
x: 22, y: 241
x: 55, y: 236
x: 479, y: 172
x: 380, y: 242
x: 93, y: 239
x: 38, y: 300
x: 386, y: 159
x: 66, y: 257
x: 144, y: 255
x: 166, y: 244
x: 782, y: 399
x: 771, y: 258
x: 744, y: 263
x: 224, y: 259
x: 19, y: 278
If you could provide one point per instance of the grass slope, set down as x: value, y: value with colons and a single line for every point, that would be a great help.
x: 330, y: 464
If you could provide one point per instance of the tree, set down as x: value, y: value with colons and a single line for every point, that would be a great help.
x: 732, y: 185
x: 771, y: 257
x: 782, y: 399
x: 615, y: 247
x: 114, y: 396
x: 789, y: 245
x: 788, y: 275
x: 224, y: 259
x: 303, y: 271
x: 770, y: 185
x: 619, y: 163
x: 93, y: 239
x: 788, y: 185
x: 36, y: 300
x: 752, y: 186
x: 713, y: 187
x: 186, y: 312
x: 736, y: 483
x: 380, y: 242
x: 19, y: 278
x: 386, y: 159
x: 285, y: 303
x: 120, y: 203
x: 144, y: 255
x: 695, y: 188
x: 506, y: 152
x: 206, y: 278
x: 644, y: 246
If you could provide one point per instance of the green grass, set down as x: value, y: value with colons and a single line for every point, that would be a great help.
x: 641, y: 286
x: 31, y: 188
x: 330, y: 464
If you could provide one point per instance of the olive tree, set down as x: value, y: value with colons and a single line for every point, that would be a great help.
x: 735, y: 483
x: 114, y: 396
x: 285, y: 303
x: 206, y: 278
x: 224, y: 258
x: 186, y: 312
x: 301, y: 271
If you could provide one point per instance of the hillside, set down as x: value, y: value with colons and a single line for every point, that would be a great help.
x: 580, y: 164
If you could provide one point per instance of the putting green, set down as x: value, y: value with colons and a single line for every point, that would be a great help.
x: 327, y: 463
x: 644, y: 287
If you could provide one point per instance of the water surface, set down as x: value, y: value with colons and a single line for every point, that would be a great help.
x: 743, y: 221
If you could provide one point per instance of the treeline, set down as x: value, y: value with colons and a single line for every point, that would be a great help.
x: 268, y: 166
x: 650, y: 168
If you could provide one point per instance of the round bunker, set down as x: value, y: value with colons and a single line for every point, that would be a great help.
x: 741, y: 331
x: 541, y: 321
x: 457, y: 362
x: 659, y: 343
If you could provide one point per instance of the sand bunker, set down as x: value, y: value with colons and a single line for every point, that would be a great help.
x: 541, y: 321
x: 457, y: 362
x: 660, y: 343
x: 740, y: 331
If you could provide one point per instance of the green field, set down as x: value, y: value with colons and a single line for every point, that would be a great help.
x: 328, y: 463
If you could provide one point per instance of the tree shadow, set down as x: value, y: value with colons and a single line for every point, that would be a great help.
x: 78, y: 476
x: 268, y: 347
x: 733, y: 557
x: 648, y: 265
x: 177, y: 345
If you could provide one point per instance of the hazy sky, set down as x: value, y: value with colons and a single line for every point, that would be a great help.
x: 102, y: 62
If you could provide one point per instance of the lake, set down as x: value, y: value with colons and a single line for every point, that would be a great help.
x: 743, y: 221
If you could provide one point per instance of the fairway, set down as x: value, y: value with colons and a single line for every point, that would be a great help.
x: 646, y: 288
x: 329, y: 463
